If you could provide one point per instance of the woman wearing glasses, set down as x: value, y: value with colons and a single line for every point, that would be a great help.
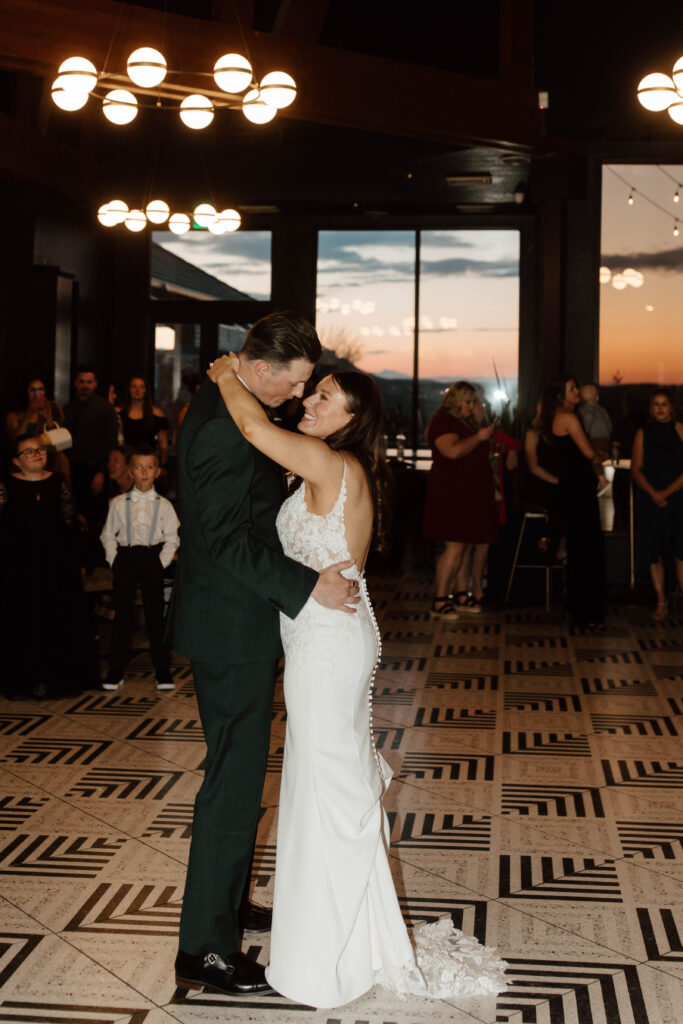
x: 41, y: 414
x: 41, y: 608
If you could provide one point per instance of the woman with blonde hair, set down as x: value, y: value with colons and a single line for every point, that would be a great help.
x: 460, y: 508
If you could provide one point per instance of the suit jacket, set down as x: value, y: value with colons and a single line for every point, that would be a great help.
x: 232, y: 578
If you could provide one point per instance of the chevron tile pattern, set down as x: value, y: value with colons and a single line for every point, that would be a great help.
x: 537, y: 800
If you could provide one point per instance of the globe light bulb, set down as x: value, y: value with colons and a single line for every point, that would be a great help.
x: 232, y: 72
x: 157, y: 211
x: 135, y: 220
x: 676, y: 230
x: 179, y: 223
x: 67, y: 98
x: 146, y: 67
x: 630, y: 199
x: 618, y: 282
x: 677, y: 198
x: 118, y: 209
x: 79, y: 74
x: 196, y: 111
x: 120, y: 106
x: 675, y: 110
x: 278, y: 89
x: 633, y: 277
x: 256, y: 109
x: 226, y: 220
x: 605, y: 275
x: 204, y: 214
x: 106, y: 217
x: 656, y: 91
x: 677, y: 74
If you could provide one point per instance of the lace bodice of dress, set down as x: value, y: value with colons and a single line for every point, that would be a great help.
x: 316, y: 541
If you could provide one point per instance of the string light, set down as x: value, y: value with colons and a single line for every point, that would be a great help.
x: 677, y: 183
x: 633, y: 192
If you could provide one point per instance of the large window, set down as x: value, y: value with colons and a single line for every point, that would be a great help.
x: 446, y: 302
x: 641, y: 282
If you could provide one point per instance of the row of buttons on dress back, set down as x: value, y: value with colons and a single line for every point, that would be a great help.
x: 378, y: 635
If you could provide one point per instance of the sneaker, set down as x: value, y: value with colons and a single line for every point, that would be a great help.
x: 112, y: 683
x: 165, y: 683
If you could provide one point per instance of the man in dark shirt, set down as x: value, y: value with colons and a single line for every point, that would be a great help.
x: 94, y: 429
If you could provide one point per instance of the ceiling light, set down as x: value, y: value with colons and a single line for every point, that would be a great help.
x: 232, y: 73
x: 146, y: 67
x: 120, y: 106
x: 256, y: 109
x: 196, y: 111
x: 278, y: 89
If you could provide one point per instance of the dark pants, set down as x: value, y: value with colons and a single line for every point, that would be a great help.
x: 235, y: 707
x: 132, y: 566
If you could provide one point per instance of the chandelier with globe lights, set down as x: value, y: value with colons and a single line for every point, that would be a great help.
x: 658, y: 92
x: 150, y: 83
x: 157, y: 212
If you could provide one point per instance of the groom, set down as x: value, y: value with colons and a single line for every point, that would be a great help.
x: 232, y: 581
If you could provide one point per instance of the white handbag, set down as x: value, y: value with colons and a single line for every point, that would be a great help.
x: 59, y: 438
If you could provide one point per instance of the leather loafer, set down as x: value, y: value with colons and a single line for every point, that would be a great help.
x: 232, y: 975
x: 253, y: 918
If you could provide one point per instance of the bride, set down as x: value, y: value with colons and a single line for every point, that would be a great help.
x: 337, y: 926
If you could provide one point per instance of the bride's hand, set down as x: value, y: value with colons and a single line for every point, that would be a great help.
x: 223, y: 367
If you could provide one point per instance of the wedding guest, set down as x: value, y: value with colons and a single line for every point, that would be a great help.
x: 140, y: 538
x: 119, y: 473
x: 43, y: 632
x: 92, y: 422
x: 577, y: 467
x: 143, y: 422
x: 40, y: 415
x: 657, y: 470
x: 460, y: 506
x: 595, y: 419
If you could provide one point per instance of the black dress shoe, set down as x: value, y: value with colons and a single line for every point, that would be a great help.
x: 232, y: 975
x: 253, y: 918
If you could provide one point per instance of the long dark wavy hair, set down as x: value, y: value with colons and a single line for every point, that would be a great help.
x: 147, y: 405
x: 362, y: 438
x: 552, y: 398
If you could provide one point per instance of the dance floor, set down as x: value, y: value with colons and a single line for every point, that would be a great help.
x: 537, y: 800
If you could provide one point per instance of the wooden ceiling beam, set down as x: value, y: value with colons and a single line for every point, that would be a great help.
x: 301, y: 19
x: 336, y: 87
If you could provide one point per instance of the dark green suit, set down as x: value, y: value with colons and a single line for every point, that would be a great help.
x: 231, y: 582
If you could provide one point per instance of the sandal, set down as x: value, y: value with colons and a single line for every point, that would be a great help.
x: 469, y: 605
x: 447, y: 609
x: 660, y: 612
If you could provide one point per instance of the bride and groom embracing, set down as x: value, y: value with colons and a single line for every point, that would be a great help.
x: 253, y: 572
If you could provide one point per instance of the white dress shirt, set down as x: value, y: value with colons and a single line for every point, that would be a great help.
x: 140, y: 518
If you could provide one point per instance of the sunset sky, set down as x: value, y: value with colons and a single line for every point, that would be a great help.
x: 640, y: 327
x: 469, y: 309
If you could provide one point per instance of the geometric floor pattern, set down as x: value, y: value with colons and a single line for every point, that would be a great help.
x: 537, y: 799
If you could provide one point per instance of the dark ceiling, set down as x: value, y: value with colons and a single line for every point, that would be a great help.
x: 465, y: 77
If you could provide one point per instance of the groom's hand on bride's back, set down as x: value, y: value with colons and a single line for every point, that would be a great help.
x: 334, y: 590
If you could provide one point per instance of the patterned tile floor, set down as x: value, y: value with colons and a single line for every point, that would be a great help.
x: 537, y: 800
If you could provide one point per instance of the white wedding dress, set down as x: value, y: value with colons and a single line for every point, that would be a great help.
x: 337, y: 926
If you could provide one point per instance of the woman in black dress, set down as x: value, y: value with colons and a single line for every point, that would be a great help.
x: 657, y: 469
x: 42, y: 623
x: 143, y: 422
x: 576, y: 464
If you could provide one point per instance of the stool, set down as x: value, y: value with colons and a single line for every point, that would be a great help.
x: 529, y: 565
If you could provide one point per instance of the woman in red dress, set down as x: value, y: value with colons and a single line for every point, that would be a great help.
x: 460, y: 507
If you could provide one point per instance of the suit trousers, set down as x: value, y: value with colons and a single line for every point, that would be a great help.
x: 132, y: 566
x: 235, y: 707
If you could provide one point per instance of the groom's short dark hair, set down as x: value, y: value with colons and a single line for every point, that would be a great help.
x: 281, y: 337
